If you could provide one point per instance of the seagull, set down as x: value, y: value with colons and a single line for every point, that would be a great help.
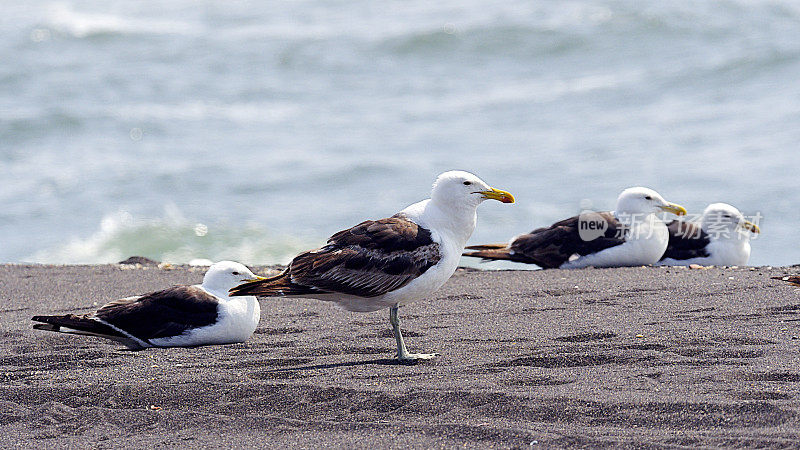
x: 631, y: 235
x: 722, y: 238
x: 388, y: 263
x: 180, y: 316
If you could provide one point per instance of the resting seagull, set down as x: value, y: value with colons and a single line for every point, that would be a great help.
x: 631, y: 235
x: 388, y: 263
x: 180, y: 316
x: 717, y: 240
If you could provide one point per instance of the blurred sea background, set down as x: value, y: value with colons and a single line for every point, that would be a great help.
x: 254, y: 130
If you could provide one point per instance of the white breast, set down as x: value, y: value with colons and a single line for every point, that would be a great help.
x: 720, y: 253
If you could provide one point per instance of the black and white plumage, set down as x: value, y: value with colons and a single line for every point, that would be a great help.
x: 631, y: 235
x: 720, y: 238
x: 389, y: 262
x: 179, y: 316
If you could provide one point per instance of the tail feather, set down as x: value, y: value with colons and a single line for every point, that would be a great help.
x: 490, y: 254
x: 792, y: 279
x: 486, y: 247
x: 278, y: 286
x: 76, y: 325
x: 65, y: 330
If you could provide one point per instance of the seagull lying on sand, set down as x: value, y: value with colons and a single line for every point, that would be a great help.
x: 717, y: 240
x: 180, y: 316
x: 631, y: 235
x: 388, y: 263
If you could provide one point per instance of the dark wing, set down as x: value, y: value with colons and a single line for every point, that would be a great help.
x: 162, y: 314
x: 686, y: 241
x: 367, y: 260
x: 550, y: 247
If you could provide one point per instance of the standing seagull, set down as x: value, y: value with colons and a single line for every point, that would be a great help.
x: 631, y: 235
x: 388, y: 263
x: 180, y: 316
x: 715, y: 241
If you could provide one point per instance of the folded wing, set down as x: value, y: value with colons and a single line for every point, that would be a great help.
x: 165, y: 313
x: 686, y: 241
x: 367, y: 260
x: 550, y: 247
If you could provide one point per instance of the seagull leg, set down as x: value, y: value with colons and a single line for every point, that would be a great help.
x: 402, y: 352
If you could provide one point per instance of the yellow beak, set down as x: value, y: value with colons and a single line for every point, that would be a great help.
x: 678, y: 210
x: 497, y: 194
x: 750, y: 226
x: 257, y: 278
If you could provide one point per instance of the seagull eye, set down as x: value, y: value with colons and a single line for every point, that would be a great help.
x: 647, y: 197
x: 467, y: 183
x: 236, y: 273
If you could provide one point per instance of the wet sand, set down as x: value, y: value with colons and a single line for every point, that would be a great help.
x: 640, y: 357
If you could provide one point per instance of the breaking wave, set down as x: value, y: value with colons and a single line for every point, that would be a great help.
x: 174, y: 239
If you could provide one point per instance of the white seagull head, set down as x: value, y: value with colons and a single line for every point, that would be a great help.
x: 643, y: 201
x: 725, y: 222
x: 459, y: 188
x: 225, y: 275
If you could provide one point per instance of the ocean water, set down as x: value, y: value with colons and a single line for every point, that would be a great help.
x: 253, y: 130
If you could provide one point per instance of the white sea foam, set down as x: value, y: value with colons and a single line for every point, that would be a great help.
x: 62, y: 17
x: 527, y: 92
x: 250, y: 112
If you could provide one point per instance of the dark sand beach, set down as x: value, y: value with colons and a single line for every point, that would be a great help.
x: 639, y: 357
